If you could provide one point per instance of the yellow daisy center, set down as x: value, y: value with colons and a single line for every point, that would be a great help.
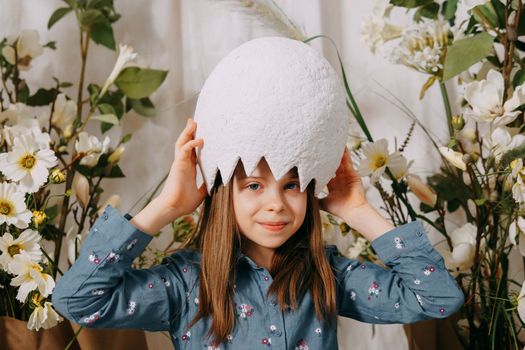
x: 37, y: 300
x: 5, y: 207
x: 379, y: 161
x: 13, y: 249
x: 28, y: 161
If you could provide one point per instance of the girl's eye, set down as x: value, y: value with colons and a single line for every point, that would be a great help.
x: 252, y: 184
x: 294, y: 184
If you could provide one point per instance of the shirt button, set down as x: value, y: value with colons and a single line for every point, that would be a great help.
x: 105, y: 216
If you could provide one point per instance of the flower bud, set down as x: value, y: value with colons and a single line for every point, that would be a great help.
x: 81, y: 187
x: 422, y: 190
x: 58, y: 176
x: 39, y: 217
x: 458, y: 122
x: 115, y: 156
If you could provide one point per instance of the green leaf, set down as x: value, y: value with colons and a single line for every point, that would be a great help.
x: 51, y: 44
x: 449, y: 10
x: 51, y: 212
x: 106, y: 108
x: 115, y: 172
x: 65, y: 84
x: 103, y: 34
x: 519, y: 78
x: 42, y: 97
x: 107, y: 118
x: 465, y: 52
x: 126, y: 138
x: 57, y: 15
x: 410, y: 3
x: 90, y: 17
x: 144, y: 106
x: 138, y: 83
x: 480, y: 201
x: 488, y: 15
x: 429, y: 11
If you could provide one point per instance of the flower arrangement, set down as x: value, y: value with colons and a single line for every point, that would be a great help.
x: 482, y: 175
x: 51, y: 169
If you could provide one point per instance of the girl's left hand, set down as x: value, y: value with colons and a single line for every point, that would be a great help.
x: 346, y: 191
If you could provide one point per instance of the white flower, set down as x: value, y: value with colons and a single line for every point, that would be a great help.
x: 470, y: 4
x: 27, y: 164
x: 421, y: 46
x: 463, y: 248
x: 377, y: 159
x: 455, y: 158
x: 485, y: 98
x: 27, y: 242
x: 43, y: 317
x: 517, y: 228
x: 521, y: 303
x: 73, y: 242
x: 518, y: 190
x: 91, y: 147
x: 399, y: 168
x: 42, y: 139
x: 13, y: 210
x: 125, y: 56
x: 65, y: 112
x: 501, y: 140
x: 376, y: 30
x: 29, y: 277
x: 27, y: 47
x: 356, y: 248
x: 16, y: 113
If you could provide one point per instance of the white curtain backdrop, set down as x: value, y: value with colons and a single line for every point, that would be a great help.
x: 188, y: 37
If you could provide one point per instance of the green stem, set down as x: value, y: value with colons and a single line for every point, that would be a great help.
x: 448, y: 110
x: 74, y: 338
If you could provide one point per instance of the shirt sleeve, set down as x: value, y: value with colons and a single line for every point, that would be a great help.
x: 416, y: 285
x: 102, y: 290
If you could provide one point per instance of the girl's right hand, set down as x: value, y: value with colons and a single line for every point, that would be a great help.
x: 180, y: 192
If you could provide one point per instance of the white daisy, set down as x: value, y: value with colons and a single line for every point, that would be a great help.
x: 27, y: 164
x: 378, y: 158
x: 13, y: 210
x: 27, y: 242
x: 43, y: 317
x: 91, y: 147
x: 29, y: 277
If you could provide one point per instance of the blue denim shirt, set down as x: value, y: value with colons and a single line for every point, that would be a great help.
x: 102, y: 290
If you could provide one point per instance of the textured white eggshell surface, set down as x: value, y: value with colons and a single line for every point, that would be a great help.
x: 276, y: 98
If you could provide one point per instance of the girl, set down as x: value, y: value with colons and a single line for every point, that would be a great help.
x: 255, y: 272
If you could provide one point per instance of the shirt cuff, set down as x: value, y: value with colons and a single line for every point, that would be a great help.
x: 401, y: 241
x: 118, y: 232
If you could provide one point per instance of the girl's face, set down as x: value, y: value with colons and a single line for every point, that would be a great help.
x: 260, y: 201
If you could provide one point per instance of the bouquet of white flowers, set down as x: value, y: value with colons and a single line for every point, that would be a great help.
x: 51, y: 170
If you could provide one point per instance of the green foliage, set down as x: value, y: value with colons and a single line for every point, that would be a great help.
x: 465, y: 52
x: 42, y: 97
x: 138, y: 82
x: 429, y: 11
x: 142, y: 106
x: 410, y: 3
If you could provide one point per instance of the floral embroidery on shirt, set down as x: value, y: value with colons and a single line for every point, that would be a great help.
x: 429, y: 269
x: 266, y: 341
x: 442, y: 310
x: 92, y: 318
x: 396, y: 306
x: 417, y: 281
x: 373, y: 290
x: 211, y: 347
x: 150, y: 285
x: 112, y: 257
x: 399, y: 243
x: 301, y: 345
x: 184, y: 269
x: 246, y: 310
x: 229, y: 338
x: 165, y: 281
x: 131, y: 244
x: 94, y: 258
x: 97, y: 291
x: 196, y: 301
x: 318, y: 331
x: 363, y: 266
x: 353, y: 294
x: 131, y: 307
x: 186, y: 336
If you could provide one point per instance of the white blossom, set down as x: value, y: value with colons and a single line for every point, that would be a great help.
x: 43, y: 317
x: 378, y: 159
x: 64, y: 113
x: 27, y: 48
x: 376, y: 30
x: 27, y: 242
x: 125, y: 56
x: 13, y: 209
x: 30, y: 276
x: 455, y: 158
x: 91, y: 147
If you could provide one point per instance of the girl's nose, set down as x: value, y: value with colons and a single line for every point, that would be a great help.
x: 274, y: 200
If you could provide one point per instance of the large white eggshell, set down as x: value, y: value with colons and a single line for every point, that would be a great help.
x: 276, y: 98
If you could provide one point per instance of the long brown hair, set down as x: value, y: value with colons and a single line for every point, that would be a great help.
x: 297, y: 266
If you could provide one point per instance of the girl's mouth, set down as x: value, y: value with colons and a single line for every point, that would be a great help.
x: 273, y: 228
